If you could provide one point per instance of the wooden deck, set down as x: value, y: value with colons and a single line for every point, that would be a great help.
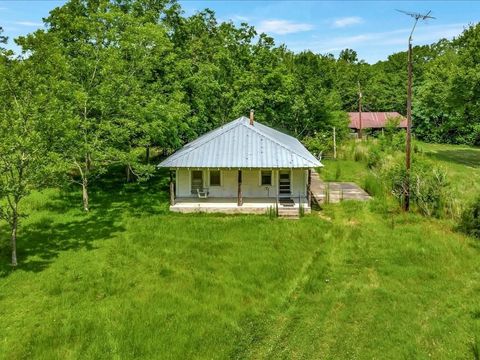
x: 338, y: 191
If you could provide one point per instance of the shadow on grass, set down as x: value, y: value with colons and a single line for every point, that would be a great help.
x: 62, y: 226
x: 461, y: 156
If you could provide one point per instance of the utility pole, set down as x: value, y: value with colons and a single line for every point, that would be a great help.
x: 360, y: 131
x: 408, y: 145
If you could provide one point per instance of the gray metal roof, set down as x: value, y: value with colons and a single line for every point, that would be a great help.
x: 241, y: 145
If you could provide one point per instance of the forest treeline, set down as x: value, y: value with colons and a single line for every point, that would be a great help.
x: 106, y: 78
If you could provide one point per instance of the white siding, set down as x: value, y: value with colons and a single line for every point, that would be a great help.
x: 298, y: 182
x: 228, y: 184
x: 251, y: 183
x: 183, y: 183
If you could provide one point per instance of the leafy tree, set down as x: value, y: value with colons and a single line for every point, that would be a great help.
x: 348, y: 55
x: 117, y: 72
x: 27, y: 159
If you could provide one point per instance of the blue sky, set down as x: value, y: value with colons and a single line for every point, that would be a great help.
x: 373, y: 28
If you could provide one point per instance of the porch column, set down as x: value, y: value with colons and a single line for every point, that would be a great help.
x: 239, y: 190
x: 309, y: 183
x: 172, y: 189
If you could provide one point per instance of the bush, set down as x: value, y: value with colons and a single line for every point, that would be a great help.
x: 429, y: 190
x: 428, y: 185
x: 470, y: 220
x: 374, y: 157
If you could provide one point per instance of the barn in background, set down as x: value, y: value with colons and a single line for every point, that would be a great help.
x: 374, y: 120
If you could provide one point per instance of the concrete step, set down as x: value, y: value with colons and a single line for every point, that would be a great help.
x: 288, y: 213
x: 289, y: 217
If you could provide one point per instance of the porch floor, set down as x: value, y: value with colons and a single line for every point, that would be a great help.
x: 229, y: 205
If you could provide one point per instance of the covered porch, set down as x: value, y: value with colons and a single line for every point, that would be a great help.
x: 229, y: 205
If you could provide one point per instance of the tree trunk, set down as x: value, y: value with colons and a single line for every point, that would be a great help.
x: 147, y: 154
x: 14, y: 238
x: 85, y: 194
x: 85, y: 174
x: 128, y: 172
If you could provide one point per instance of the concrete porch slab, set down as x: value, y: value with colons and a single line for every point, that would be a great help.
x: 229, y: 205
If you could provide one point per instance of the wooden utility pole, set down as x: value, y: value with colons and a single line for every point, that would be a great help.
x: 360, y: 131
x: 408, y: 143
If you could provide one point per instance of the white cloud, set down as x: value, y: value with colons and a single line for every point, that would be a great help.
x: 282, y: 27
x: 374, y: 46
x: 424, y: 34
x: 28, y: 23
x: 233, y: 18
x: 240, y: 18
x: 347, y: 21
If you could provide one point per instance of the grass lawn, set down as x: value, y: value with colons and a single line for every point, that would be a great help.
x: 463, y: 166
x: 130, y: 280
x: 343, y: 170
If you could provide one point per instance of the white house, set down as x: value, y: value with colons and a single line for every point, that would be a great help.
x: 243, y: 166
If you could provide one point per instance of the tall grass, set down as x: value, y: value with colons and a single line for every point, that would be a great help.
x: 373, y: 186
x: 131, y: 280
x: 385, y: 175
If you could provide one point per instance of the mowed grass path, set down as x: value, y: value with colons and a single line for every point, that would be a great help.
x: 129, y: 280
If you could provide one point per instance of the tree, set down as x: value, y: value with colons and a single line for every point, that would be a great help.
x: 348, y: 55
x: 3, y: 39
x: 26, y: 157
x: 120, y: 88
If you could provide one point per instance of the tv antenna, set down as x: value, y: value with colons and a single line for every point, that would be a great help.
x: 416, y: 16
x: 408, y: 142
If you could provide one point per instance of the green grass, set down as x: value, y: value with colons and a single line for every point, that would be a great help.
x: 463, y: 166
x: 131, y: 280
x: 343, y: 170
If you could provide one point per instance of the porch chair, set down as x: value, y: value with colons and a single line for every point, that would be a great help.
x: 202, y: 194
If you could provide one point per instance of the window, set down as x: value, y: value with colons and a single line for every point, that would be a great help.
x: 214, y: 177
x: 266, y: 178
x: 197, y: 181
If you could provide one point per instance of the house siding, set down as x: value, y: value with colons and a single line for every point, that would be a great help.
x: 251, y: 183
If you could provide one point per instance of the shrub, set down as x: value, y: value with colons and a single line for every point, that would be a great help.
x: 374, y: 157
x: 428, y: 185
x: 470, y: 219
x: 428, y: 189
x: 318, y: 143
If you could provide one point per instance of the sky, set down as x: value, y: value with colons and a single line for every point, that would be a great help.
x: 372, y: 28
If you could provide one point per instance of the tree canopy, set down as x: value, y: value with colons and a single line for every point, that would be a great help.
x: 107, y: 78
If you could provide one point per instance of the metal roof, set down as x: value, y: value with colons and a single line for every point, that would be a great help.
x: 241, y: 145
x: 374, y: 120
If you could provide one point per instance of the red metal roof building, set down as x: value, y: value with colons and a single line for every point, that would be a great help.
x: 374, y: 120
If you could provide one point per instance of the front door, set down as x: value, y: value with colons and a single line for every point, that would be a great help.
x: 197, y: 181
x: 284, y: 183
